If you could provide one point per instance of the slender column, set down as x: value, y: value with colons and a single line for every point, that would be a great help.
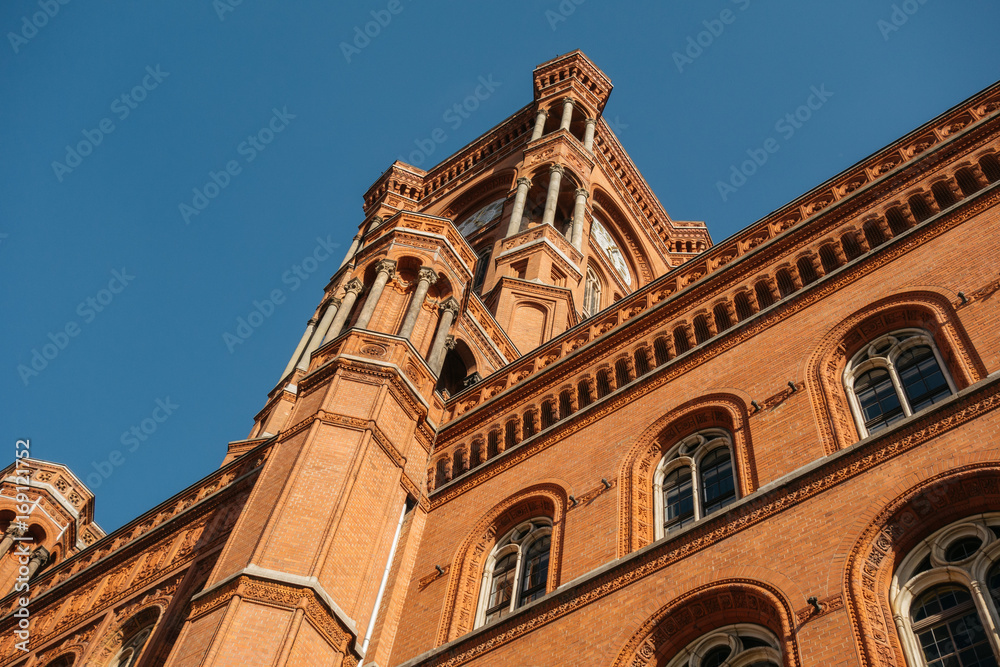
x: 552, y: 196
x: 977, y: 173
x: 817, y: 266
x: 514, y: 226
x: 448, y: 311
x: 318, y: 334
x: 385, y: 269
x: 425, y: 278
x: 353, y: 249
x: 352, y: 289
x: 588, y: 134
x: 579, y: 208
x: 296, y: 355
x: 539, y: 124
x: 861, y: 240
x: 39, y: 557
x: 793, y: 273
x: 9, y: 536
x: 567, y: 116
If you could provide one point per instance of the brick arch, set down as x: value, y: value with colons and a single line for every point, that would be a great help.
x: 635, y: 477
x: 623, y: 231
x: 113, y: 638
x: 921, y: 309
x: 499, y: 185
x: 891, y: 534
x: 704, y: 609
x: 541, y: 500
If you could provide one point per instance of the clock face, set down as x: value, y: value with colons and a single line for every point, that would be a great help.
x: 608, y: 247
x: 481, y: 218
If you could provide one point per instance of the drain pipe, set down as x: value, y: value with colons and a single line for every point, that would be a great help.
x: 381, y: 588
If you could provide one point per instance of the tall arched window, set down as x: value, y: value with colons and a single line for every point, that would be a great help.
x: 693, y: 480
x: 517, y: 571
x: 894, y: 377
x: 482, y: 266
x: 591, y: 294
x: 740, y: 645
x: 944, y: 596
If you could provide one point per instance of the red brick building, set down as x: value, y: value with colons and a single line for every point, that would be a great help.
x: 534, y: 420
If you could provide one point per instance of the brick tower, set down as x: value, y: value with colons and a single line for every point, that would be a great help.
x: 534, y: 420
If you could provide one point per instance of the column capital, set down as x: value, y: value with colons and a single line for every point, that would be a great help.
x: 15, y: 531
x: 556, y: 168
x: 590, y: 121
x: 354, y: 286
x: 387, y: 266
x: 451, y: 305
x: 427, y: 274
x: 582, y: 192
x: 450, y: 342
x: 569, y: 100
x: 311, y: 322
x: 524, y: 180
x: 41, y: 554
x: 377, y: 220
x: 542, y: 112
x: 335, y: 302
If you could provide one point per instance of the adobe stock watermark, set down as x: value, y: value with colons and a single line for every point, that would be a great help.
x: 88, y: 310
x: 223, y: 7
x: 31, y: 24
x: 122, y: 106
x: 453, y: 116
x: 362, y: 37
x: 131, y: 440
x: 900, y: 14
x: 218, y: 181
x: 294, y: 276
x: 27, y: 559
x: 786, y: 126
x: 563, y: 11
x: 697, y: 44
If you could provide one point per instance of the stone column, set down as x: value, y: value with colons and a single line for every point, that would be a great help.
x: 352, y: 289
x: 319, y: 333
x: 579, y: 213
x: 296, y: 355
x: 514, y: 226
x: 448, y: 311
x: 39, y: 557
x: 539, y: 124
x: 588, y: 134
x: 385, y: 270
x: 425, y: 278
x: 552, y: 196
x: 567, y: 115
x: 12, y: 533
x: 352, y: 250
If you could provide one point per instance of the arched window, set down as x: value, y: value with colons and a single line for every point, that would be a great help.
x: 991, y: 167
x: 722, y: 321
x: 966, y: 181
x: 134, y: 641
x: 517, y: 571
x: 694, y: 480
x: 850, y: 245
x: 896, y: 220
x: 740, y: 645
x: 603, y: 383
x: 893, y: 377
x: 945, y: 593
x: 763, y: 292
x: 591, y: 294
x: 528, y: 424
x: 661, y: 351
x: 785, y: 284
x: 873, y: 234
x: 641, y: 357
x: 743, y: 307
x: 701, y: 332
x: 482, y: 266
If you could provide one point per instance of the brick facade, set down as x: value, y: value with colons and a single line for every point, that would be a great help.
x: 460, y: 385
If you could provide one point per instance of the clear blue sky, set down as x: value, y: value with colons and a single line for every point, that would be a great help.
x: 218, y: 73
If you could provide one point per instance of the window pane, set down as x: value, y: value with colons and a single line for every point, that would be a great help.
x: 536, y: 570
x: 880, y: 405
x: 921, y: 377
x: 718, y: 488
x: 501, y: 587
x: 678, y: 500
x: 956, y: 635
